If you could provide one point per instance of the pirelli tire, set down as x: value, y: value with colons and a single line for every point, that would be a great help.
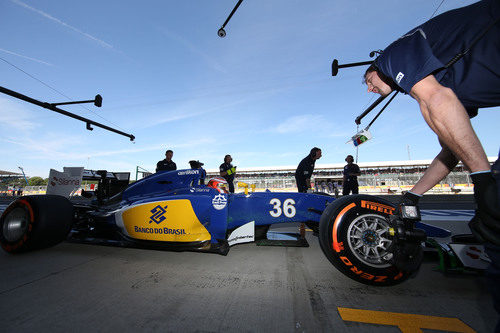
x: 354, y: 236
x: 35, y: 222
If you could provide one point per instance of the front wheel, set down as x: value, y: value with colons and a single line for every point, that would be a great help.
x: 355, y: 235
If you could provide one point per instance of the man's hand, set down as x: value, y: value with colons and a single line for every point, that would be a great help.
x: 410, y: 199
x: 486, y: 223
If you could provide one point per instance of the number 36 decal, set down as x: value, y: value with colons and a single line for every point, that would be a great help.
x: 288, y: 208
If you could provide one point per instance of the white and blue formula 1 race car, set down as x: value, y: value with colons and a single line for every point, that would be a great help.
x: 367, y: 238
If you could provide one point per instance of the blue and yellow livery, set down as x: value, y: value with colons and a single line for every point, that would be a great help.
x: 175, y: 210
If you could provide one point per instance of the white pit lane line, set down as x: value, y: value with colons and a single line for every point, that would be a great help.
x: 455, y: 215
x: 454, y: 220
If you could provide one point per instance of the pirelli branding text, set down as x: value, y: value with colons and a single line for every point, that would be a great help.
x: 367, y: 276
x: 378, y: 207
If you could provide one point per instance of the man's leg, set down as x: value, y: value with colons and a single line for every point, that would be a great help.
x: 355, y: 188
x: 301, y: 185
x: 493, y: 251
x: 302, y: 188
x: 493, y: 276
x: 346, y: 188
x: 231, y: 186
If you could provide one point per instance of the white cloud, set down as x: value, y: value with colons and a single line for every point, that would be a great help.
x: 317, y: 125
x: 52, y: 18
x: 181, y: 40
x: 190, y: 110
x: 48, y: 147
x: 172, y: 118
x: 299, y: 124
x: 54, y: 147
x: 15, y: 117
x: 26, y: 57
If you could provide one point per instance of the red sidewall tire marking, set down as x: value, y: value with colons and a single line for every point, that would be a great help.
x: 30, y: 209
x: 20, y: 203
x: 336, y: 245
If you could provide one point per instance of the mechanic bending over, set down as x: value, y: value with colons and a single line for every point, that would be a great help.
x: 305, y: 170
x: 448, y: 96
x: 351, y: 173
x: 167, y: 164
x: 227, y: 171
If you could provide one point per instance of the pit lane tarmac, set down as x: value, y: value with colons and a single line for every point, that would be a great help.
x: 253, y: 289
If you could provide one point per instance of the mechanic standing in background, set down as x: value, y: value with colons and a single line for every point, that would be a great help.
x: 305, y: 170
x: 451, y: 66
x: 227, y: 171
x: 167, y: 164
x: 351, y: 173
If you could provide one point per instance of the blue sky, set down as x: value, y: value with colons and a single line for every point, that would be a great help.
x: 263, y: 94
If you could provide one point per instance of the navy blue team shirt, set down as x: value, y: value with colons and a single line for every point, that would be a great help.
x: 224, y: 167
x: 349, y: 170
x: 305, y: 168
x: 425, y: 50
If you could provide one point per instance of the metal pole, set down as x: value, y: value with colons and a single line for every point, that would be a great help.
x: 336, y: 66
x: 371, y: 107
x: 26, y: 180
x: 66, y: 113
x: 354, y: 64
x: 232, y: 12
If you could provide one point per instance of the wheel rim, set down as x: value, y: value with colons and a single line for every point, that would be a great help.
x: 368, y: 238
x: 15, y: 224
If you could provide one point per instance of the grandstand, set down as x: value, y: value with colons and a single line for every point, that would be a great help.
x: 5, y: 178
x: 376, y: 177
x: 390, y: 177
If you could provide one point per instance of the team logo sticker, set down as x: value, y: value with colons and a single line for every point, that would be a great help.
x: 399, y: 77
x: 158, y: 214
x: 195, y: 189
x: 169, y: 220
x: 219, y: 201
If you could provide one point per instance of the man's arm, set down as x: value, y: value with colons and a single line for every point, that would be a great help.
x: 357, y: 172
x: 227, y: 172
x: 222, y: 172
x: 447, y: 117
x: 442, y: 165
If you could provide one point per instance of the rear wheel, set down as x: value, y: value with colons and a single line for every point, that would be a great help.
x: 33, y: 222
x: 355, y: 235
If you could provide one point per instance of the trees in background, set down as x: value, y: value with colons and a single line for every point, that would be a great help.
x: 37, y: 181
